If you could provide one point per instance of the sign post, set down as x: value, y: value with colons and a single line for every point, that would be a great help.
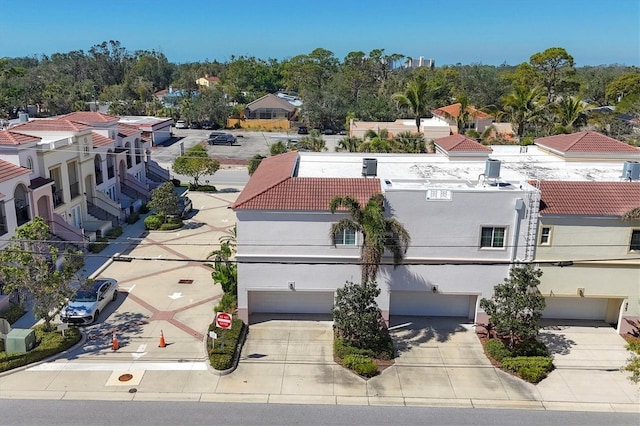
x: 223, y: 321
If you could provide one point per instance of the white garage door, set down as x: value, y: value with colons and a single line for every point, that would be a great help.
x: 291, y: 302
x: 425, y: 303
x: 583, y: 308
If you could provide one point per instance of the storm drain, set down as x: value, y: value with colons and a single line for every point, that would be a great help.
x: 185, y: 281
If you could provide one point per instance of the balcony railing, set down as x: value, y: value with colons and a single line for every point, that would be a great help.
x: 74, y: 188
x: 58, y: 197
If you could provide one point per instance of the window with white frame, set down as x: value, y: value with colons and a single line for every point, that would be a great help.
x: 347, y: 237
x: 545, y: 236
x: 492, y: 237
x: 634, y: 244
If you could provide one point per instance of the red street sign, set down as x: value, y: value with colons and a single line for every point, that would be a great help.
x: 223, y: 320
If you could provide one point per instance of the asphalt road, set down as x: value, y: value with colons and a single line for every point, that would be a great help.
x: 31, y: 412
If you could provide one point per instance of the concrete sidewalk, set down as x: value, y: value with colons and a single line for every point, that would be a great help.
x: 287, y: 362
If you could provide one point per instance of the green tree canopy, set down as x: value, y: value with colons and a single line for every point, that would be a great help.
x: 196, y: 163
x: 28, y: 266
x: 378, y: 232
x: 164, y: 200
x: 516, y: 306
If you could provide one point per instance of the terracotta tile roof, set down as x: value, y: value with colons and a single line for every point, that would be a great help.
x: 89, y: 117
x: 270, y: 101
x: 588, y: 198
x: 127, y: 129
x: 585, y: 142
x: 100, y: 140
x: 272, y: 187
x: 9, y: 171
x: 8, y: 137
x: 454, y: 110
x: 460, y: 143
x: 54, y: 125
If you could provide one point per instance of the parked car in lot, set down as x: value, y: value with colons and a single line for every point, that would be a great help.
x: 185, y: 206
x: 89, y: 300
x: 303, y: 130
x: 221, y: 138
x: 195, y: 125
x: 181, y: 124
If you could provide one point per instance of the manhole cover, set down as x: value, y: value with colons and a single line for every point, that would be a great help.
x: 185, y: 282
x: 133, y: 390
x: 125, y: 377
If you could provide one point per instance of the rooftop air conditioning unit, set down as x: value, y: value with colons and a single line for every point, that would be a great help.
x: 492, y: 169
x: 631, y: 170
x: 369, y: 167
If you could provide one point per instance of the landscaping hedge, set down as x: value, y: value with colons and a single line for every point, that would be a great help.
x: 529, y: 360
x: 48, y: 343
x: 361, y: 365
x: 219, y: 357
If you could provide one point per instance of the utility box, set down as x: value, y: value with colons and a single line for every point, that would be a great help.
x: 20, y: 340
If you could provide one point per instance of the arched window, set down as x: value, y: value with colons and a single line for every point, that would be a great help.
x: 29, y: 163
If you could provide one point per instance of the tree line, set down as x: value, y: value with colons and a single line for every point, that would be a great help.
x: 546, y: 95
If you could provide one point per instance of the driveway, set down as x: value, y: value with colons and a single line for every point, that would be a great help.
x: 439, y: 358
x: 588, y: 357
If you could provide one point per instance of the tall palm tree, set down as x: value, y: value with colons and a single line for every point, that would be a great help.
x: 416, y: 98
x: 348, y: 144
x: 378, y: 232
x: 571, y: 112
x: 523, y: 107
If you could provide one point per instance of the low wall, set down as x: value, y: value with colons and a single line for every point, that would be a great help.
x: 258, y: 124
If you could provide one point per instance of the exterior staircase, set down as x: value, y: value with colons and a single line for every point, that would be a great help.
x: 156, y: 174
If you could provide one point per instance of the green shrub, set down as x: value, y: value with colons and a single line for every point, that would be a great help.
x: 114, y: 232
x: 228, y: 303
x: 171, y: 224
x: 97, y: 246
x: 497, y: 350
x: 529, y: 368
x: 530, y: 348
x: 48, y: 343
x: 202, y: 188
x: 153, y: 222
x: 133, y: 218
x: 361, y: 365
x: 175, y: 182
x: 221, y: 358
x: 13, y: 313
x: 143, y: 209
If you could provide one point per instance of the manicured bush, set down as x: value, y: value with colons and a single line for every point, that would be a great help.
x: 529, y: 368
x: 530, y: 348
x: 171, y: 224
x: 202, y: 188
x: 497, y: 350
x: 221, y: 358
x: 48, y: 343
x: 361, y: 365
x: 133, y: 218
x: 13, y: 313
x: 153, y: 222
x: 114, y: 232
x: 97, y: 246
x: 143, y: 209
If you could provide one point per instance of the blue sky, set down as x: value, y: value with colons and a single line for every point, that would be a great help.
x: 450, y: 31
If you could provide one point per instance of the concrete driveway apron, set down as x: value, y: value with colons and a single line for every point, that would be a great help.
x: 587, y: 357
x: 442, y: 358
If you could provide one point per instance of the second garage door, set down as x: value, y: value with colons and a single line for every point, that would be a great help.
x: 579, y: 308
x: 291, y: 302
x: 423, y: 303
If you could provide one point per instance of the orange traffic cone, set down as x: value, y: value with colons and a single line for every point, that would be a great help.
x: 162, y: 342
x: 114, y: 342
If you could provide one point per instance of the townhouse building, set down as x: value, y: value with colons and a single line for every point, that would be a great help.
x: 472, y: 212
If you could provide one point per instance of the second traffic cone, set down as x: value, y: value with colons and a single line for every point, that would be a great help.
x: 114, y: 342
x: 162, y: 342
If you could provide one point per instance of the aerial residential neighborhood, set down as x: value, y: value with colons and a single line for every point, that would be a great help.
x: 373, y: 231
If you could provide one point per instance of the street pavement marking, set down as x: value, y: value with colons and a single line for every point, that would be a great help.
x: 175, y: 296
x: 120, y: 366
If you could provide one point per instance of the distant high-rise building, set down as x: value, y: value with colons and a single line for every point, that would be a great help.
x: 420, y: 62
